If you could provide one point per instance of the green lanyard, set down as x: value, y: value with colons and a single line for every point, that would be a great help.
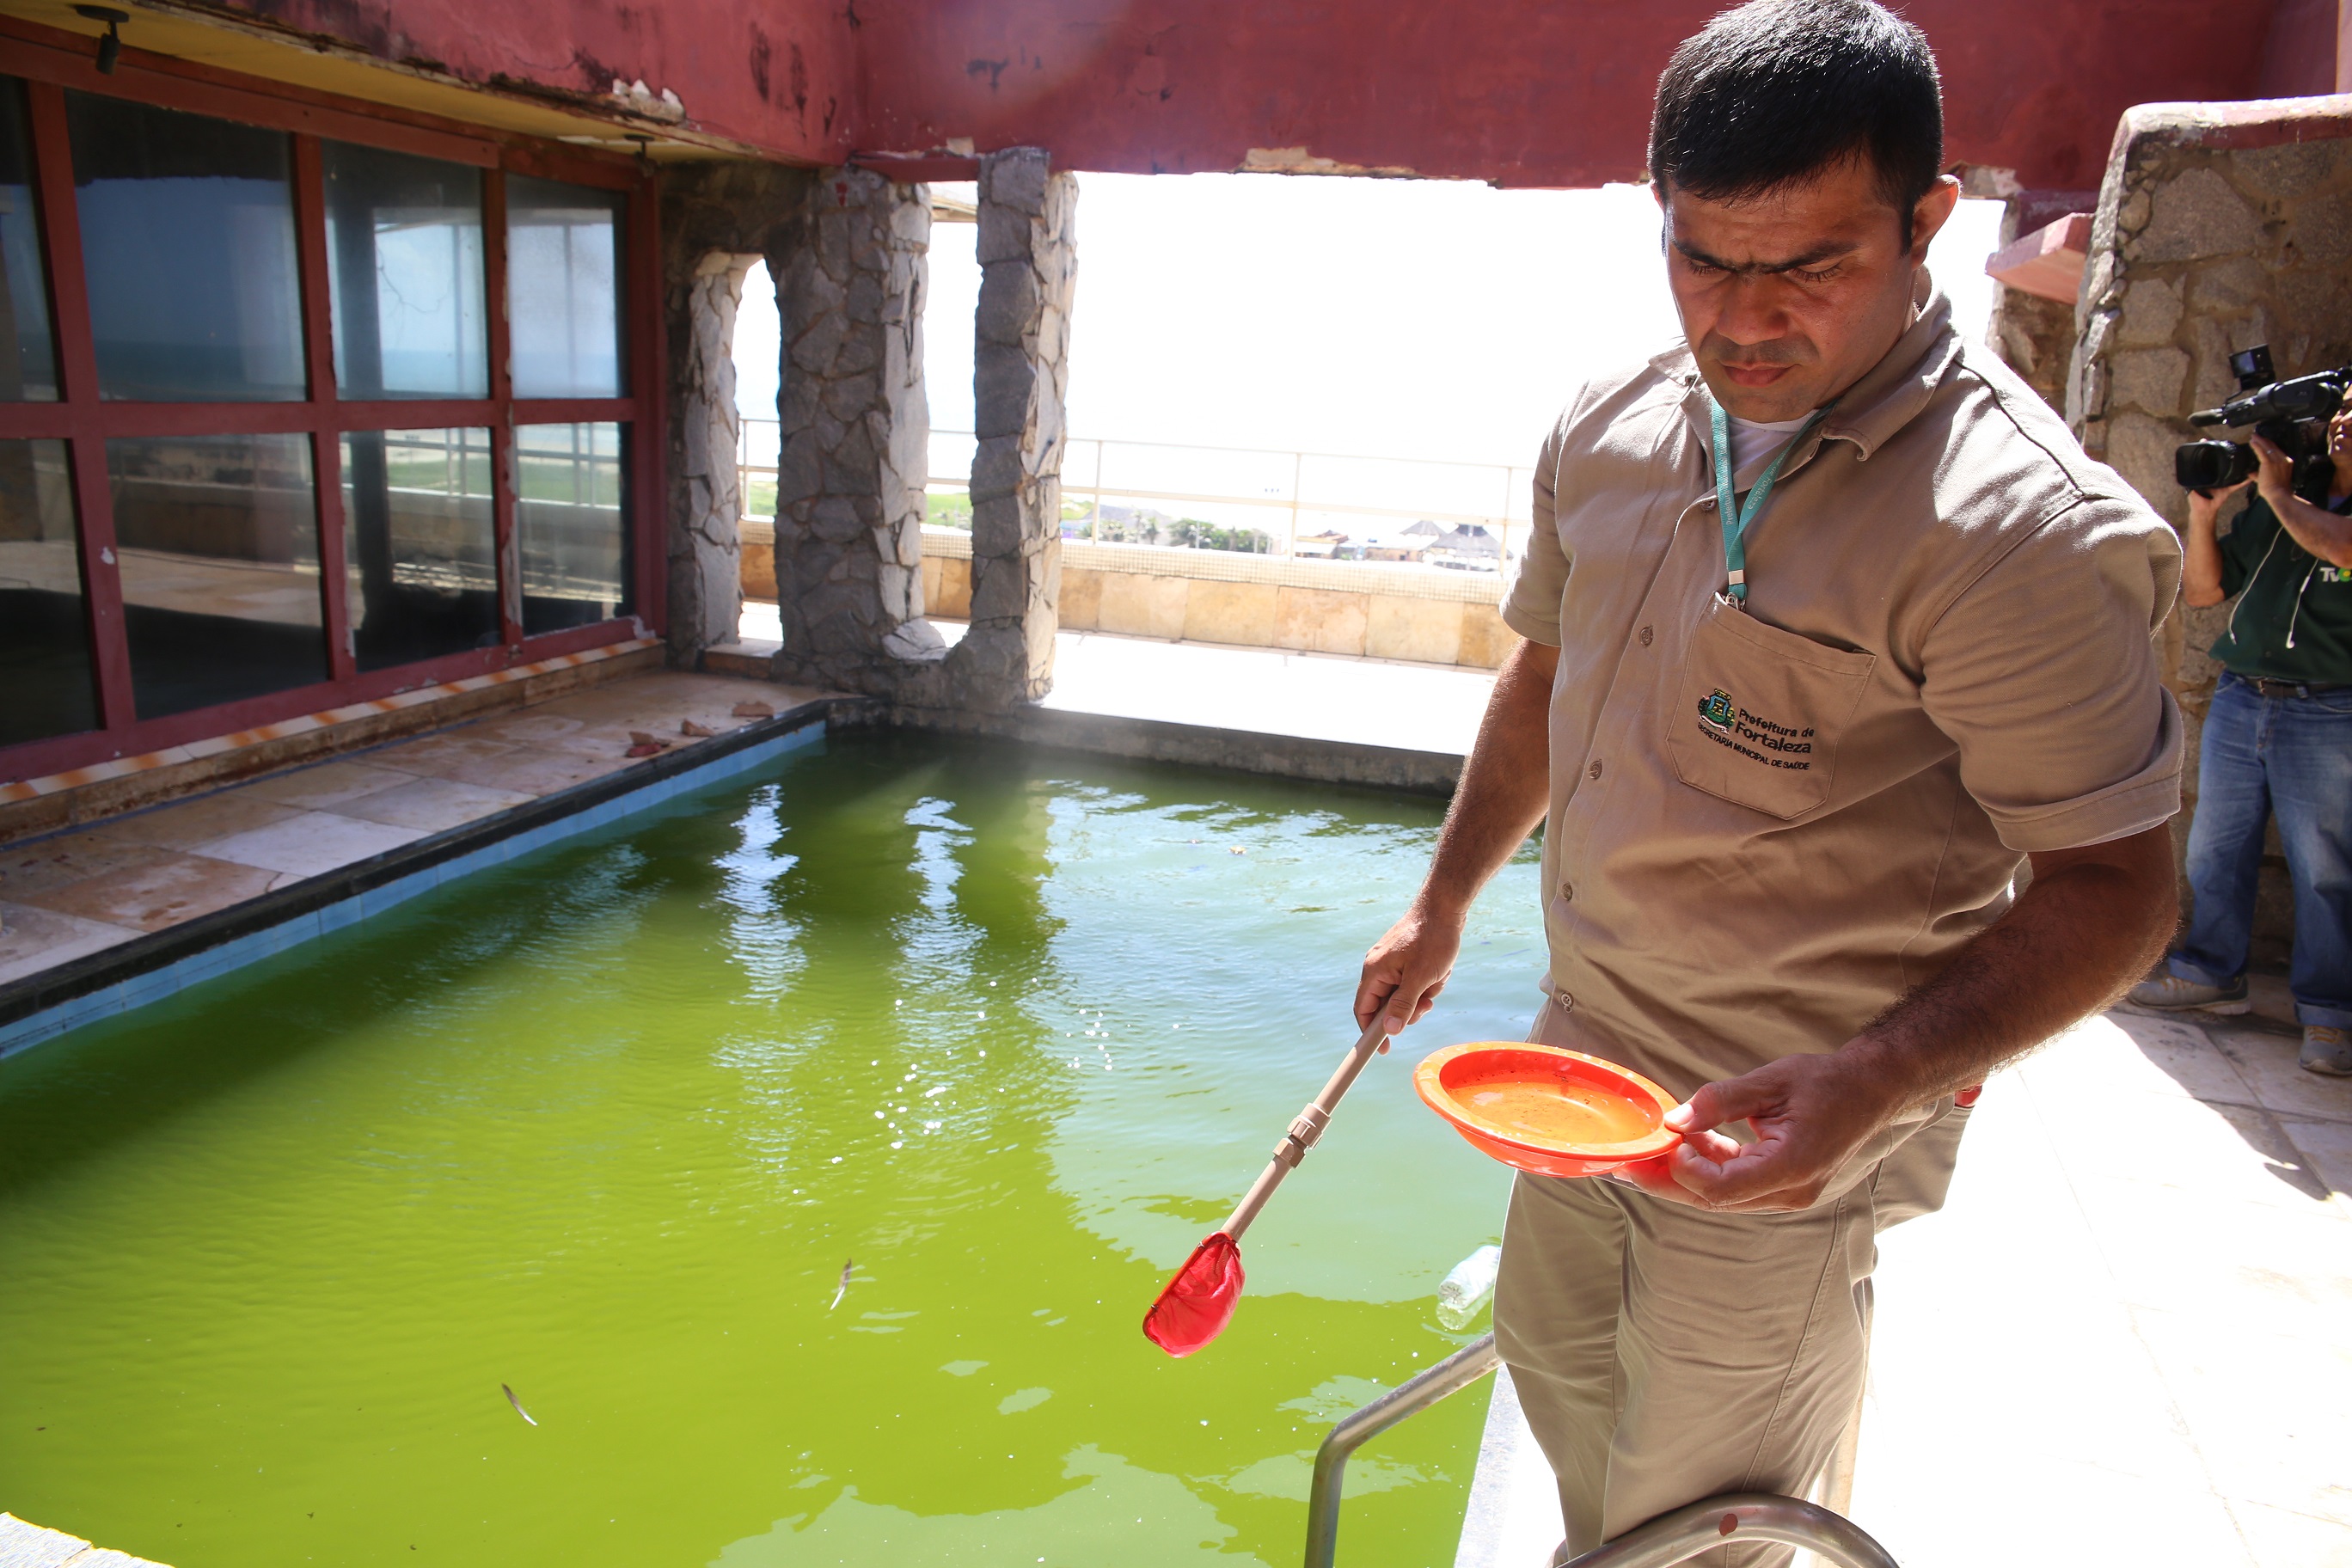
x: 1736, y: 520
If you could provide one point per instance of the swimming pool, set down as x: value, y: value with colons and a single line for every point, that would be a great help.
x: 1008, y: 1030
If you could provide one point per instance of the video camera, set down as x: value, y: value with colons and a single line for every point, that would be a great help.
x: 2291, y: 415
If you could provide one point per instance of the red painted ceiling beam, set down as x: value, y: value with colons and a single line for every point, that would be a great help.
x: 1524, y: 92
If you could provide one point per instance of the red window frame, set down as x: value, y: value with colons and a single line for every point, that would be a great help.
x: 49, y: 62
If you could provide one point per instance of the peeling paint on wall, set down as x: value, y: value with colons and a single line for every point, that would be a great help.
x: 1299, y: 160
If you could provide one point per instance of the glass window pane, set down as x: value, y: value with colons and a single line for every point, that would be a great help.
x: 45, y: 667
x: 187, y: 239
x: 419, y: 551
x: 404, y: 271
x: 218, y: 537
x: 563, y: 271
x: 28, y: 360
x: 573, y: 523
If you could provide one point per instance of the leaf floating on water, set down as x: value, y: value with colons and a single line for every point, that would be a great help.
x: 848, y: 1266
x: 517, y: 1404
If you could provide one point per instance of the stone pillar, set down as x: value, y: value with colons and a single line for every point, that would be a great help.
x: 2034, y: 335
x: 717, y: 218
x: 857, y: 430
x: 705, y: 546
x: 1020, y: 373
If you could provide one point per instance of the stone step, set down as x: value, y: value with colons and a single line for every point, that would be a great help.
x: 748, y: 657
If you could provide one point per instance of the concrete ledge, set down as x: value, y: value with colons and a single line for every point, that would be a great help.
x: 1512, y: 1519
x: 1151, y: 740
x: 120, y: 786
x: 754, y: 659
x: 24, y: 1545
x: 146, y: 969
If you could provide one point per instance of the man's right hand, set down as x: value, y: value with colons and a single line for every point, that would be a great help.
x: 1506, y: 784
x: 1407, y: 968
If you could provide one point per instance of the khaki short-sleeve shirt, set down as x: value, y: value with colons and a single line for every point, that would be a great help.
x: 1768, y: 825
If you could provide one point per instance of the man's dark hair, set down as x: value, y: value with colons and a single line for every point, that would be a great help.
x: 1779, y: 91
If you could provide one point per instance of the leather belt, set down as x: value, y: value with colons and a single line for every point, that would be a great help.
x: 2264, y: 686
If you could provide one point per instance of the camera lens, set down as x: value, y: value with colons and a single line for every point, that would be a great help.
x: 2212, y: 465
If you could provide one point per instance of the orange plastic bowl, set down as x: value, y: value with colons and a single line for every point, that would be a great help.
x: 1542, y: 1109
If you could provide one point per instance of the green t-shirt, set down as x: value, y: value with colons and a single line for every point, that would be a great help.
x: 2292, y: 620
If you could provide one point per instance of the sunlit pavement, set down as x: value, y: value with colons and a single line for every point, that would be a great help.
x: 1325, y: 697
x: 2123, y: 1339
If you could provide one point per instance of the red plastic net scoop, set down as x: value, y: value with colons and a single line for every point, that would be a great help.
x: 1199, y: 1303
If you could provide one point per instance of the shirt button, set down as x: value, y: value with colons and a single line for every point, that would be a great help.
x: 1594, y: 770
x: 1646, y: 635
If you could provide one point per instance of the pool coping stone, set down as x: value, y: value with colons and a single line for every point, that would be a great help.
x: 150, y: 967
x: 1258, y: 752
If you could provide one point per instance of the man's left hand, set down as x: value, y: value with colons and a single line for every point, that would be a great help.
x: 1809, y: 1114
x: 2276, y: 475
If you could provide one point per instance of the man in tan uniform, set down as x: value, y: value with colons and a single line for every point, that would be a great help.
x: 1788, y: 771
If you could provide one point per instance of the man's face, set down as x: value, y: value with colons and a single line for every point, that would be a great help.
x: 1789, y: 298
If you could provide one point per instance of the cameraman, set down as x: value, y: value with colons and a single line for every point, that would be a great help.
x: 2278, y: 740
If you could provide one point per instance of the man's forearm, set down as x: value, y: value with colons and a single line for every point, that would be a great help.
x: 1506, y: 784
x: 2315, y: 528
x: 2090, y: 924
x: 2200, y: 559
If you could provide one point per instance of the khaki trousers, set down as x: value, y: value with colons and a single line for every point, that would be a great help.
x: 1663, y: 1355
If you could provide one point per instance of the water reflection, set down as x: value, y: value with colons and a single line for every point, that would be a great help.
x: 602, y: 1126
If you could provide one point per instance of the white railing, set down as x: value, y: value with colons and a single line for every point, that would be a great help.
x: 1296, y: 500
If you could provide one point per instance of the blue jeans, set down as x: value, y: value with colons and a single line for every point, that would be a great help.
x: 2290, y: 757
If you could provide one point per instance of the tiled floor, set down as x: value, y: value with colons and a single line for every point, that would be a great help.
x: 2123, y: 1340
x: 72, y: 894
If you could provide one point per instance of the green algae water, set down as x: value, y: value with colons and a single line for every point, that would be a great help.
x: 1007, y: 1031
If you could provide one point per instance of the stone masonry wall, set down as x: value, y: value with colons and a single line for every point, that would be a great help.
x: 705, y: 546
x: 847, y: 250
x: 2034, y: 336
x: 2219, y: 227
x: 855, y: 432
x: 717, y: 218
x: 1028, y: 260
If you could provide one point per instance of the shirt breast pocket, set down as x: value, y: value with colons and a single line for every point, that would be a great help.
x: 1760, y: 711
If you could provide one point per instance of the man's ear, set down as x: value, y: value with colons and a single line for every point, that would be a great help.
x: 1933, y: 211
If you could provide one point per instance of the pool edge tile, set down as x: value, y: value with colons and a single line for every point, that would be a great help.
x: 127, y: 993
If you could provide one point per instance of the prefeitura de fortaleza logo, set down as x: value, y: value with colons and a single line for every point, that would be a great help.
x: 1716, y: 711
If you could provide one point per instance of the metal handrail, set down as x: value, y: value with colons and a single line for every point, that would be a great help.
x: 1702, y: 1526
x: 1669, y: 1539
x: 1417, y: 1393
x: 1296, y: 503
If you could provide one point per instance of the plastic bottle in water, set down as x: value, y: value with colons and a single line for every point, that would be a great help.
x: 1468, y: 1289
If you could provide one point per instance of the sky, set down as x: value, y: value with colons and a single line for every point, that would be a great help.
x: 1431, y: 319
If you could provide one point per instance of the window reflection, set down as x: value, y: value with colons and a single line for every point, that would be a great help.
x: 46, y: 681
x: 187, y: 234
x: 404, y: 270
x: 572, y: 525
x: 563, y: 268
x: 218, y: 540
x: 29, y: 361
x: 420, y: 561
